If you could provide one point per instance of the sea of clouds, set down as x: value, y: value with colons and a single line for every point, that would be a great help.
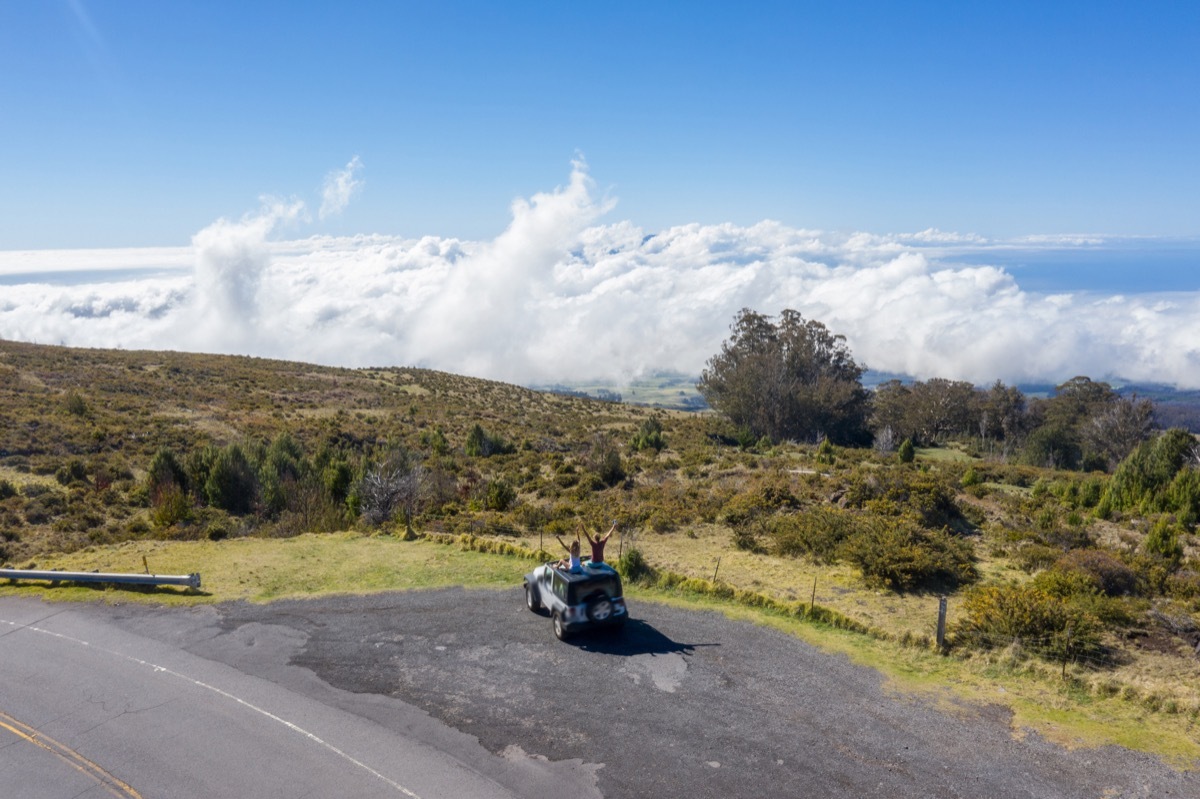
x: 562, y: 295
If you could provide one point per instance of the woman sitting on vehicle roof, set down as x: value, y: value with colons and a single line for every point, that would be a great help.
x: 572, y: 563
x: 597, y: 541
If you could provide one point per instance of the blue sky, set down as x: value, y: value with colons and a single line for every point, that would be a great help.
x: 541, y: 192
x: 136, y: 123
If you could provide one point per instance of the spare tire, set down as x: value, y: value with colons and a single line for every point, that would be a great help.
x: 599, y: 608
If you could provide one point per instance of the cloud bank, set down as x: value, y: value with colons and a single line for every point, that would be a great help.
x: 561, y: 296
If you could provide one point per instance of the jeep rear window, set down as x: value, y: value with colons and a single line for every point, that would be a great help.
x: 581, y: 591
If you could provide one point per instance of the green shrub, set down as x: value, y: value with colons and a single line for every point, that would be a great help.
x: 1090, y: 492
x: 436, y: 441
x: 169, y: 505
x: 998, y: 616
x: 604, y: 459
x: 825, y: 451
x: 1066, y: 583
x: 907, y: 452
x: 500, y: 496
x: 649, y: 436
x: 1183, y: 497
x: 1184, y: 584
x: 633, y: 566
x: 743, y: 507
x: 922, y: 496
x: 1163, y: 542
x: 749, y: 533
x: 818, y: 533
x: 75, y: 404
x: 481, y: 445
x: 70, y: 472
x: 904, y: 556
x: 7, y: 489
x: 1142, y: 479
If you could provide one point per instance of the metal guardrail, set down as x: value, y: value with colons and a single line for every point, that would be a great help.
x: 190, y: 580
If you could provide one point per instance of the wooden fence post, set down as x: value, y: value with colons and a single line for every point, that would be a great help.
x: 941, y: 624
x: 1066, y: 652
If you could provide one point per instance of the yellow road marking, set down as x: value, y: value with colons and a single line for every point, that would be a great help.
x: 114, y: 786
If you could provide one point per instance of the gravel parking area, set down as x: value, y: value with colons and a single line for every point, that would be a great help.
x: 679, y: 704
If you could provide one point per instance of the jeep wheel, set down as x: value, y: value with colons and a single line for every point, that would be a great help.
x: 600, y: 609
x: 560, y: 630
x: 531, y: 598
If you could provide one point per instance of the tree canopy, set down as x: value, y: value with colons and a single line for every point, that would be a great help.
x: 791, y: 379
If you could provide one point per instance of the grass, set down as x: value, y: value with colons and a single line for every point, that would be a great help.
x: 943, y: 454
x: 260, y: 570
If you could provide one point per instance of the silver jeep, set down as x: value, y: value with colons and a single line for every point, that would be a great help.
x: 577, y: 601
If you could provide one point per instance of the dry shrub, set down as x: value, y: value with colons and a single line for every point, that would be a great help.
x: 1108, y: 572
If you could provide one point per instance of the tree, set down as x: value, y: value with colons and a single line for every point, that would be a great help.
x: 1058, y: 439
x: 1002, y: 416
x: 925, y: 412
x: 393, y: 486
x: 791, y: 380
x: 890, y: 411
x: 1117, y: 427
x: 232, y: 484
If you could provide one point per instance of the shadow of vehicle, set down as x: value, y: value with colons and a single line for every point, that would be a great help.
x: 636, y: 637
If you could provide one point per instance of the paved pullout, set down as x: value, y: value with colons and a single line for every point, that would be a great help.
x: 681, y: 704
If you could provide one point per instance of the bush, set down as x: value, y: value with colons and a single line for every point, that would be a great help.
x: 500, y: 496
x: 75, y: 404
x: 649, y: 436
x: 7, y: 490
x: 1066, y: 583
x: 818, y: 533
x: 1108, y: 573
x: 71, y: 472
x: 633, y: 566
x: 999, y: 616
x: 1035, y: 556
x: 904, y: 556
x: 1143, y: 478
x: 605, y: 460
x: 1162, y: 542
x: 907, y: 452
x: 481, y: 445
x: 922, y: 496
x: 169, y: 505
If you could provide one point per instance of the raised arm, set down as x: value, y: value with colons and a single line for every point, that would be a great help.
x: 586, y: 533
x: 611, y: 530
x: 564, y: 546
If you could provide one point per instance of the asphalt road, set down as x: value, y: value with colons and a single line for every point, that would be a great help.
x: 457, y: 693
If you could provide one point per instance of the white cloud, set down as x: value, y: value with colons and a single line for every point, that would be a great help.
x: 340, y: 186
x: 559, y: 295
x: 231, y: 258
